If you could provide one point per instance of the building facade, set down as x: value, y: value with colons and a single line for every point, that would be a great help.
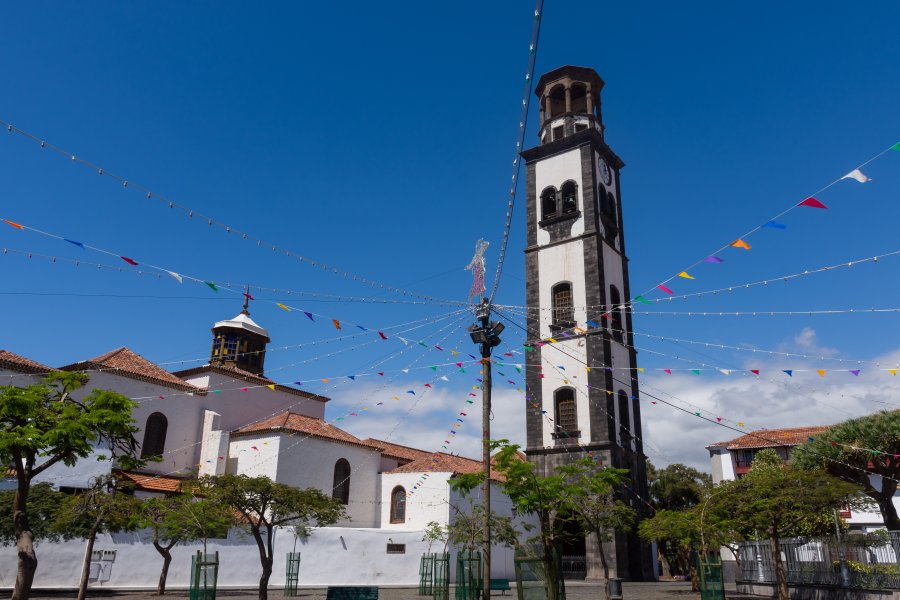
x: 583, y: 398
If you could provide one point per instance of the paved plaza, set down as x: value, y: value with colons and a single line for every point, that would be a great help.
x: 667, y: 590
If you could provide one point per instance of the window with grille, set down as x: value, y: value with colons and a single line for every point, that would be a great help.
x: 569, y: 198
x: 563, y: 309
x: 154, y: 435
x: 340, y: 489
x: 624, y: 415
x: 231, y: 346
x: 548, y: 203
x: 615, y: 300
x: 396, y: 548
x: 566, y: 417
x: 398, y: 505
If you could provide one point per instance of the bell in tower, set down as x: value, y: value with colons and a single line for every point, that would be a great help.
x: 240, y: 342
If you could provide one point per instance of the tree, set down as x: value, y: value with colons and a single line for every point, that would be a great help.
x: 776, y: 500
x: 435, y: 532
x: 467, y: 528
x: 43, y: 425
x: 182, y: 518
x: 592, y: 499
x: 680, y: 529
x: 264, y: 505
x: 677, y: 486
x: 857, y: 448
x: 45, y: 502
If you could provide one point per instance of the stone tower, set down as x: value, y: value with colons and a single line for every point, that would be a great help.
x: 583, y: 400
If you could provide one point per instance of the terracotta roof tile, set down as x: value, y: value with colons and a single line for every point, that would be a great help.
x: 249, y: 377
x: 148, y: 482
x: 14, y: 362
x: 445, y: 463
x: 123, y: 361
x: 772, y: 438
x: 293, y: 422
x: 397, y: 451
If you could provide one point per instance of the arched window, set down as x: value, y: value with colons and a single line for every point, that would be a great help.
x: 398, y: 505
x: 608, y: 205
x: 548, y: 203
x: 154, y: 435
x: 624, y: 415
x: 563, y: 308
x: 615, y: 300
x: 340, y: 489
x: 569, y: 198
x: 557, y: 101
x: 579, y: 99
x: 566, y: 417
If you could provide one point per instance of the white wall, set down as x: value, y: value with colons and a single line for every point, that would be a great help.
x: 430, y: 502
x: 331, y: 556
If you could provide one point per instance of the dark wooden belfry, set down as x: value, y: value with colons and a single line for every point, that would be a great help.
x: 240, y: 342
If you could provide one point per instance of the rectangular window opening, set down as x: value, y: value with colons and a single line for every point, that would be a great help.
x: 396, y: 548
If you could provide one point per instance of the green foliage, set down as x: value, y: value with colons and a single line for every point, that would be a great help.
x: 467, y: 526
x: 677, y: 486
x: 184, y: 518
x: 44, y: 505
x: 855, y: 448
x: 264, y: 504
x: 45, y: 422
x: 101, y: 508
x: 435, y: 532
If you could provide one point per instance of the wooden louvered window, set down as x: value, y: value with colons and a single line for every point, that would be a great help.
x: 398, y: 505
x: 563, y: 306
x: 566, y: 416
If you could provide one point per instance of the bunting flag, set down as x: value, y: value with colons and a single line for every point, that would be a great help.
x: 381, y: 333
x: 351, y: 377
x: 309, y: 315
x: 73, y: 242
x: 245, y: 389
x: 695, y: 371
x: 669, y: 371
x: 271, y: 386
x: 176, y: 276
x: 337, y: 324
x: 664, y: 288
x: 789, y: 372
x: 640, y: 299
x: 896, y: 146
x: 812, y: 203
x: 754, y: 371
x: 684, y: 275
x: 282, y: 306
x: 713, y: 259
x: 212, y: 286
x: 740, y: 244
x: 411, y: 392
x: 381, y: 373
x: 247, y: 296
x: 362, y: 328
x: 857, y: 175
x: 130, y: 261
x: 821, y: 372
x: 596, y: 325
x: 892, y: 371
x: 774, y: 225
x: 13, y: 224
x: 855, y: 372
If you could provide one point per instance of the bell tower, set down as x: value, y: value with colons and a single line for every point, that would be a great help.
x: 240, y: 342
x: 583, y: 400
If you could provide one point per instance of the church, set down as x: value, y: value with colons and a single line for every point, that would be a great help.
x: 228, y: 417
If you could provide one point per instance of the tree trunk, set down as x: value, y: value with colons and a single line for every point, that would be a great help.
x: 265, y: 559
x: 886, y: 506
x: 165, y: 552
x: 605, y: 566
x: 551, y: 572
x: 780, y: 576
x: 86, y: 565
x: 24, y: 542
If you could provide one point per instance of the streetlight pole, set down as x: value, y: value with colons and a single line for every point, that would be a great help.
x: 487, y: 334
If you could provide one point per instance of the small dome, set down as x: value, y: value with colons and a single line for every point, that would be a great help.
x: 243, y: 321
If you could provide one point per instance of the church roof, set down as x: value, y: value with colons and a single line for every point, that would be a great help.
x: 445, y: 463
x: 295, y: 423
x: 14, y: 362
x: 238, y: 373
x: 243, y: 321
x: 397, y: 451
x: 149, y: 482
x: 772, y: 438
x: 126, y: 363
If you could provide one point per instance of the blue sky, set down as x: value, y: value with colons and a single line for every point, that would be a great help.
x: 379, y: 139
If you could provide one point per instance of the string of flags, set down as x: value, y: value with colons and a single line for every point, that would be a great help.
x: 772, y: 223
x: 731, y: 288
x: 198, y: 217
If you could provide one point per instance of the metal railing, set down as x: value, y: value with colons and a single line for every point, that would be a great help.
x: 872, y: 561
x: 574, y: 566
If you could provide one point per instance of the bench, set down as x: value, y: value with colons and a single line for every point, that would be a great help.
x: 352, y: 593
x: 500, y: 584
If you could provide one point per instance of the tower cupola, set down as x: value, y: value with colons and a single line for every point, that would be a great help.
x: 240, y: 342
x: 570, y: 102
